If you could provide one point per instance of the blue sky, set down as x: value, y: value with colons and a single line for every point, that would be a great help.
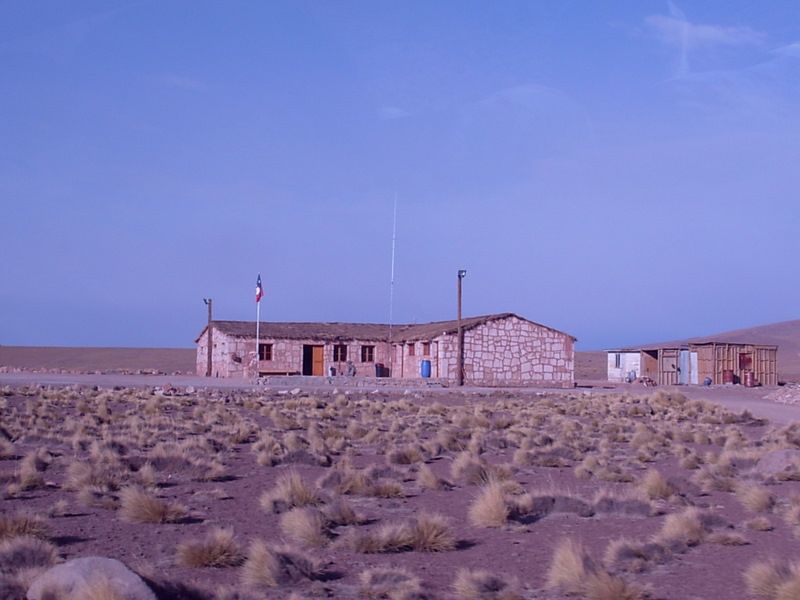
x: 622, y: 171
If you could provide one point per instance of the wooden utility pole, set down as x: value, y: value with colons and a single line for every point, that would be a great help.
x: 210, y: 340
x: 460, y: 367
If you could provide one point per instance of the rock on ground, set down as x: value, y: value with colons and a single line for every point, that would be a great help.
x: 86, y: 577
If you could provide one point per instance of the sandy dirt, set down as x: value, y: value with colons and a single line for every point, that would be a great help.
x: 218, y: 452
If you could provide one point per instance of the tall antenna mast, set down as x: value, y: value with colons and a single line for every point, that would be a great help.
x: 391, y: 279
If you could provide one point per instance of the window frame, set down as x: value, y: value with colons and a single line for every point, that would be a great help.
x: 367, y: 353
x: 265, y: 351
x: 340, y: 353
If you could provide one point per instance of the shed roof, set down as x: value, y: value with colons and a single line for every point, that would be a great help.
x: 333, y: 332
x: 672, y: 346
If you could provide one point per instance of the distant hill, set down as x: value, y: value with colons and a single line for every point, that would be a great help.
x: 87, y: 360
x: 785, y: 335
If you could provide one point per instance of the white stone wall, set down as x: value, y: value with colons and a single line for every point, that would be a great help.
x: 513, y: 352
x: 628, y: 361
x: 508, y: 352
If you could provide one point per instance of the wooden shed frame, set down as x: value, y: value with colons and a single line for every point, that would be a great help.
x: 719, y: 361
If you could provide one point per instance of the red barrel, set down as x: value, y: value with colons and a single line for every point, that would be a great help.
x: 727, y: 376
x: 749, y: 379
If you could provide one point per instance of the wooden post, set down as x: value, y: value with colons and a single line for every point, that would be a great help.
x: 460, y: 358
x: 210, y: 337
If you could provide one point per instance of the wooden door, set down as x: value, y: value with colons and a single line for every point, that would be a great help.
x: 318, y: 360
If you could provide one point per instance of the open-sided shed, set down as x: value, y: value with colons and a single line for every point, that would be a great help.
x: 720, y: 362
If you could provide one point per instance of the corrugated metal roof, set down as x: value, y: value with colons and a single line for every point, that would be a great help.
x: 333, y: 332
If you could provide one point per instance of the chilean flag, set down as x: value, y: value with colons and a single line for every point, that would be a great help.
x: 259, y: 289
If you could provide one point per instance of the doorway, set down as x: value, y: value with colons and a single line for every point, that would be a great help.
x: 313, y: 360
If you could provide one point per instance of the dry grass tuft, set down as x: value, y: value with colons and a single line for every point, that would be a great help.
x: 428, y: 480
x: 273, y: 566
x: 426, y: 532
x: 687, y: 527
x: 573, y: 571
x: 431, y: 532
x: 634, y: 557
x: 760, y: 524
x: 290, y: 491
x: 601, y: 585
x: 24, y: 524
x: 483, y: 585
x: 570, y: 566
x: 139, y: 506
x: 219, y: 549
x: 405, y: 455
x: 490, y: 507
x: 306, y: 524
x: 766, y: 577
x: 26, y: 553
x: 755, y: 497
x: 656, y: 486
x: 389, y: 583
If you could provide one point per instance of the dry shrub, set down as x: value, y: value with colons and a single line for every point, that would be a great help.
x: 306, y: 524
x: 24, y: 524
x: 687, y: 527
x: 23, y: 553
x: 386, y: 488
x: 490, y: 507
x: 766, y: 577
x: 760, y: 524
x: 634, y: 557
x: 712, y: 480
x: 341, y: 512
x: 569, y: 567
x: 98, y: 495
x: 405, y: 455
x: 755, y: 497
x: 425, y: 532
x: 600, y: 585
x: 483, y: 585
x: 574, y: 572
x: 792, y: 515
x: 727, y: 538
x: 474, y: 470
x: 431, y: 532
x: 219, y: 549
x: 273, y: 566
x: 138, y: 506
x: 7, y: 451
x: 389, y: 583
x: 656, y: 486
x: 631, y: 502
x: 290, y: 491
x: 428, y: 480
x: 345, y: 480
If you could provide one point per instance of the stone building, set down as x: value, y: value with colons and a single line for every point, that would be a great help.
x: 498, y: 350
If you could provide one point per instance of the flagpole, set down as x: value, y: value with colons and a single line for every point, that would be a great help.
x: 259, y: 293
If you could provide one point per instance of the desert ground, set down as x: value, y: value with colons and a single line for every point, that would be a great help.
x: 238, y: 492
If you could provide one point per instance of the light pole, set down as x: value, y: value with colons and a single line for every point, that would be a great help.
x: 460, y: 367
x: 207, y: 302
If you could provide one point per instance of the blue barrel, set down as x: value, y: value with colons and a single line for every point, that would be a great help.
x: 425, y: 368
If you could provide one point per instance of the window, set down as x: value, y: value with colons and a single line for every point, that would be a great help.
x: 339, y: 353
x: 411, y: 349
x: 426, y: 348
x: 617, y: 360
x: 265, y: 352
x: 367, y: 353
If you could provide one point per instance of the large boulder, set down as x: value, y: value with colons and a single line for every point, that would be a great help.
x: 90, y: 577
x: 779, y: 461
